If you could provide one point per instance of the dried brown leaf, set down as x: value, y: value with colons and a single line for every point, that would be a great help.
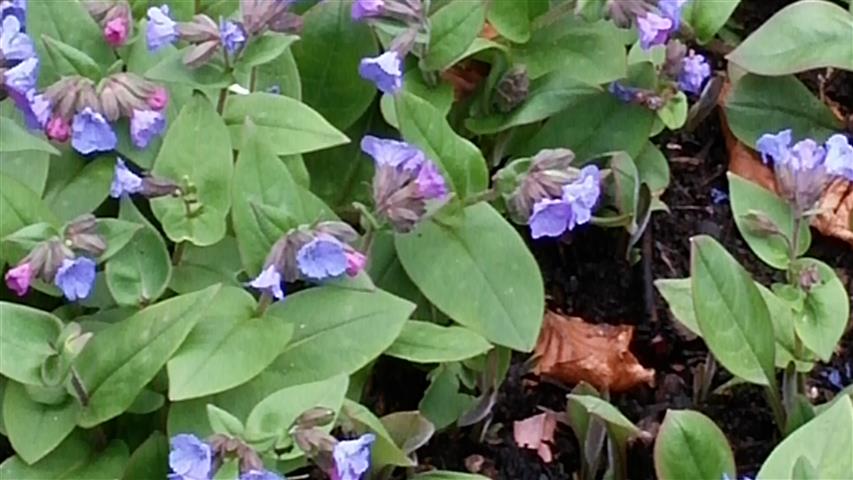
x: 536, y: 433
x: 571, y: 350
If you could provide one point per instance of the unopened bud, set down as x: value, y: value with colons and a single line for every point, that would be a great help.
x: 54, y: 254
x: 82, y: 234
x: 314, y: 442
x: 340, y: 230
x: 118, y: 24
x: 809, y: 277
x: 675, y: 53
x: 513, y: 88
x: 86, y: 96
x: 760, y: 224
x: 154, y: 187
x: 201, y: 53
x: 200, y: 29
x: 98, y: 8
x: 287, y: 22
x: 316, y: 417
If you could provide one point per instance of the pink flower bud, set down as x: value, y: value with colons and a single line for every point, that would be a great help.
x: 58, y: 129
x: 355, y: 262
x: 18, y: 279
x: 159, y: 99
x: 116, y: 31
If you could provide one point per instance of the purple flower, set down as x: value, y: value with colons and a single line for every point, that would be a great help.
x: 623, y: 93
x: 386, y: 71
x: 116, y: 31
x: 694, y: 71
x: 145, y: 125
x: 23, y: 77
x: 190, y: 458
x: 430, y: 182
x: 260, y: 475
x: 352, y: 457
x: 393, y: 153
x: 269, y: 281
x: 583, y: 193
x: 125, y: 182
x: 75, y: 277
x: 653, y: 29
x: 14, y: 43
x: 16, y: 8
x: 161, y: 29
x: 550, y: 218
x: 671, y: 9
x: 839, y: 156
x: 362, y: 9
x: 232, y: 35
x: 321, y: 258
x: 90, y: 132
x: 356, y: 261
x: 553, y: 217
x: 38, y: 110
x: 774, y: 147
x: 18, y: 279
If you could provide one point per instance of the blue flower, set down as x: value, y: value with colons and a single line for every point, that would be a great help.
x: 352, y: 457
x: 75, y: 278
x: 671, y: 9
x: 125, y: 182
x: 269, y: 281
x: 161, y: 29
x: 839, y: 156
x: 362, y: 9
x: 260, y: 475
x: 145, y: 125
x: 430, y: 182
x: 232, y: 35
x: 90, y: 132
x: 550, y: 218
x: 622, y: 92
x: 774, y: 147
x: 23, y: 77
x: 553, y: 217
x: 694, y: 71
x: 393, y: 153
x: 322, y: 258
x: 190, y: 458
x: 653, y: 29
x: 14, y: 43
x: 385, y: 71
x: 583, y: 193
x: 16, y: 8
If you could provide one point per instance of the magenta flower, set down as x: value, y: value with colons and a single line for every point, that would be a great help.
x: 117, y: 30
x: 145, y: 125
x: 75, y: 278
x: 18, y: 279
x: 356, y: 261
x: 58, y: 129
x: 90, y: 132
x: 159, y: 99
x: 385, y: 71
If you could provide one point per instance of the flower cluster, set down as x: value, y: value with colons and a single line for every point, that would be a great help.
x: 115, y: 19
x: 66, y: 262
x: 655, y: 27
x: 192, y: 459
x: 804, y: 170
x: 19, y: 64
x: 551, y: 217
x: 314, y: 254
x: 405, y: 180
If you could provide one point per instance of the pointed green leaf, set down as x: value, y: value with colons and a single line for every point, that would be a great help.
x: 689, y: 445
x: 26, y: 339
x: 15, y: 138
x: 827, y: 310
x: 426, y: 342
x: 452, y: 29
x: 79, y: 186
x: 35, y: 429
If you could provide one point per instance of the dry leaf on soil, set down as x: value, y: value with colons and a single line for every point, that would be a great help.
x: 836, y: 205
x: 536, y: 433
x: 571, y: 350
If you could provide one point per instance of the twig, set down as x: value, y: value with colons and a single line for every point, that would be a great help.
x: 648, y: 276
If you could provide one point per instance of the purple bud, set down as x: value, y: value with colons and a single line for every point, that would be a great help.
x: 231, y: 35
x: 393, y: 152
x: 352, y: 457
x: 161, y: 29
x: 23, y: 77
x: 260, y: 475
x: 90, y: 132
x: 189, y: 458
x: 839, y: 156
x: 653, y: 29
x: 14, y: 43
x: 322, y: 258
x: 145, y: 125
x: 117, y: 30
x: 671, y: 9
x: 362, y: 9
x: 356, y: 261
x: 694, y: 71
x: 75, y: 278
x: 385, y: 71
x: 58, y: 129
x: 18, y: 279
x: 774, y: 147
x: 430, y: 182
x: 125, y: 182
x: 269, y: 281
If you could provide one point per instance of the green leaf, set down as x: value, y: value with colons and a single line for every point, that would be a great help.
x: 510, y: 19
x: 223, y: 422
x: 548, y: 95
x: 674, y: 112
x: 827, y: 310
x: 35, y: 429
x: 202, y: 267
x: 501, y: 300
x: 229, y: 470
x: 707, y: 18
x: 117, y: 234
x: 70, y: 23
x: 26, y: 336
x: 593, y: 51
x: 426, y: 342
x: 439, y: 96
x: 31, y: 235
x: 747, y: 197
x: 264, y: 49
x: 15, y: 138
x: 107, y: 464
x: 803, y: 469
x: 385, y: 451
x: 28, y: 167
x: 227, y: 349
x: 261, y: 178
x: 121, y: 359
x: 424, y: 126
x: 328, y: 54
x: 689, y: 445
x: 594, y: 125
x: 150, y: 460
x: 139, y: 273
x: 619, y: 427
x: 653, y: 168
x: 759, y: 105
x: 826, y: 442
x: 289, y: 125
x: 70, y: 455
x: 443, y: 404
x: 802, y: 36
x: 679, y: 296
x: 80, y: 63
x: 281, y: 73
x: 20, y: 206
x: 337, y: 330
x: 172, y: 69
x: 179, y: 158
x: 409, y: 430
x: 452, y: 29
x: 731, y: 313
x: 275, y: 414
x: 75, y: 186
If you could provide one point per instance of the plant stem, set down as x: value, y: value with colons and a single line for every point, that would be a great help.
x: 775, y: 402
x: 178, y: 253
x: 220, y: 105
x: 253, y: 79
x: 197, y: 8
x: 263, y: 304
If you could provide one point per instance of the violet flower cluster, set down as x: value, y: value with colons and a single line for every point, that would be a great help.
x: 805, y: 169
x: 552, y: 217
x: 405, y: 180
x: 193, y: 459
x: 655, y: 27
x: 316, y: 254
x: 19, y: 65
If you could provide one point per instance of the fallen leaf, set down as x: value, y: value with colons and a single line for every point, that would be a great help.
x: 572, y: 350
x: 536, y: 433
x: 836, y: 205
